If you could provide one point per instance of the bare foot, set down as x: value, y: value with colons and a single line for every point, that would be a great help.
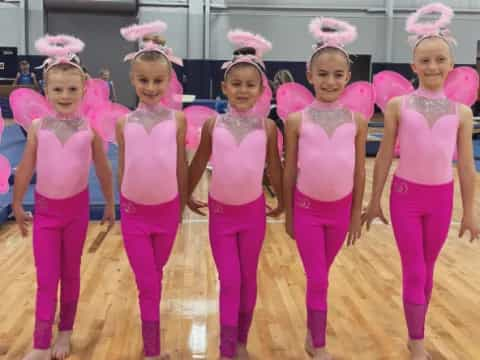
x: 316, y: 353
x: 37, y: 354
x: 242, y: 352
x: 61, y: 348
x: 417, y: 350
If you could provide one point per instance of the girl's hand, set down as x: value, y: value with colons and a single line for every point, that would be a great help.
x: 22, y: 219
x: 355, y: 229
x: 276, y: 211
x: 372, y: 212
x: 108, y: 215
x: 196, y: 205
x: 289, y: 225
x: 468, y: 224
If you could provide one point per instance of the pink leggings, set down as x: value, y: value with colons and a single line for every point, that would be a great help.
x: 148, y: 233
x: 236, y: 237
x: 421, y: 216
x: 320, y: 229
x: 59, y: 231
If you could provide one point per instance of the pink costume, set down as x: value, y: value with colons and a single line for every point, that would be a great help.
x: 63, y: 158
x: 237, y: 219
x: 236, y: 204
x: 61, y: 219
x: 150, y: 204
x: 326, y: 168
x: 421, y: 196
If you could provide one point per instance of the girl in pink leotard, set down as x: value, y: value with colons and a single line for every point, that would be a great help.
x: 152, y: 173
x: 429, y: 127
x: 324, y: 172
x: 60, y: 147
x: 239, y: 142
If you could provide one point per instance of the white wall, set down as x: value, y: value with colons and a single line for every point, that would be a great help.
x: 12, y: 25
x: 284, y: 22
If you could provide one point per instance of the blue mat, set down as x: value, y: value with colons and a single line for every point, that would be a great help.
x: 476, y: 152
x: 5, y: 208
x: 12, y: 146
x: 13, y: 142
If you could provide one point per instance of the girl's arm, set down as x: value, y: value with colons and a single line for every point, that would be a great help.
x: 290, y: 172
x: 104, y: 174
x: 119, y: 126
x: 466, y: 173
x: 23, y: 176
x: 383, y: 162
x: 274, y: 166
x: 35, y: 82
x: 199, y: 163
x: 15, y: 82
x: 358, y: 180
x: 114, y: 92
x: 182, y: 164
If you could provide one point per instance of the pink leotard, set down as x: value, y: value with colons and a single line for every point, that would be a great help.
x: 326, y: 151
x: 150, y: 173
x: 427, y: 135
x: 239, y: 145
x: 64, y: 153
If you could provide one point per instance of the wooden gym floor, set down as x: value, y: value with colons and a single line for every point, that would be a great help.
x: 365, y: 320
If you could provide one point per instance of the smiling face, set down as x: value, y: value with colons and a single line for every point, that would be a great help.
x: 432, y: 61
x: 329, y: 73
x: 64, y: 89
x: 242, y: 86
x: 150, y: 79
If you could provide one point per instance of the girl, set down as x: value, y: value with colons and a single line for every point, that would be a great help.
x: 324, y: 171
x: 60, y: 147
x: 429, y: 126
x: 239, y: 142
x: 152, y: 173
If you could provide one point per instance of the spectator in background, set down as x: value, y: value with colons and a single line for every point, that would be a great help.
x: 105, y: 75
x: 25, y: 77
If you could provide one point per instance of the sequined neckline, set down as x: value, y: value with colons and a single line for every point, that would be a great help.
x: 70, y: 116
x: 240, y: 124
x: 321, y: 105
x: 439, y: 94
x: 241, y: 114
x: 149, y: 116
x: 152, y: 108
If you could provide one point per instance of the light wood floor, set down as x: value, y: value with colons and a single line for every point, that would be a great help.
x: 365, y: 311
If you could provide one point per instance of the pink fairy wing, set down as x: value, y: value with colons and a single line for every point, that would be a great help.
x: 196, y: 116
x: 103, y: 120
x: 292, y: 97
x: 96, y: 93
x: 173, y: 97
x: 462, y: 85
x: 359, y: 97
x: 5, y: 171
x: 262, y: 107
x: 389, y: 84
x: 28, y: 105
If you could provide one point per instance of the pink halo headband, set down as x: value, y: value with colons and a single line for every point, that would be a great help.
x: 138, y: 32
x: 240, y: 38
x: 437, y: 28
x: 343, y: 33
x: 60, y: 49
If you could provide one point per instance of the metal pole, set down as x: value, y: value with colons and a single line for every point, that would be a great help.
x: 389, y: 6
